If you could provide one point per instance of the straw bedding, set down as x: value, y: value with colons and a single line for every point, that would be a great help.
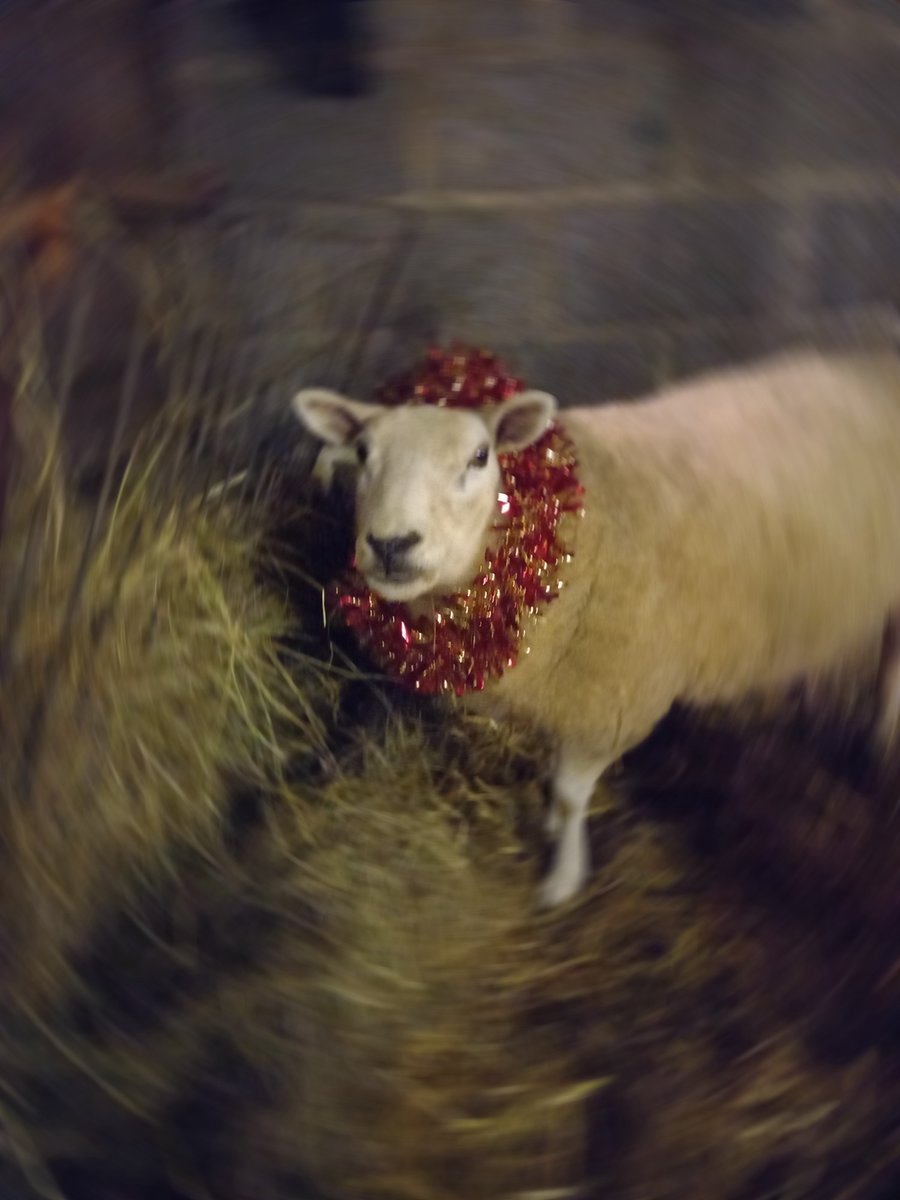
x: 266, y: 926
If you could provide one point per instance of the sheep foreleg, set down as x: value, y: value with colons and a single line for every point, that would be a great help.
x: 573, y: 785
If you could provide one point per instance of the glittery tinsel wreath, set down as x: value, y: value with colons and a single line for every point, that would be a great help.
x: 474, y: 635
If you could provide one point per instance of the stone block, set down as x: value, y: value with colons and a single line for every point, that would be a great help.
x: 887, y: 11
x: 857, y: 252
x: 550, y: 125
x: 698, y: 18
x: 732, y: 105
x: 502, y: 23
x: 696, y: 349
x: 303, y: 270
x: 588, y: 371
x: 702, y: 347
x: 276, y: 144
x: 843, y: 108
x: 656, y: 260
x: 482, y: 276
x: 404, y: 24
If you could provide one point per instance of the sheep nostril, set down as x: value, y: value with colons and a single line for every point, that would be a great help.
x: 389, y: 549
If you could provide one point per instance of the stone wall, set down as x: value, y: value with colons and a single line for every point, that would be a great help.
x: 613, y: 192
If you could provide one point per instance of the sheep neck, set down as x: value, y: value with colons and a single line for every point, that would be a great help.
x: 460, y: 642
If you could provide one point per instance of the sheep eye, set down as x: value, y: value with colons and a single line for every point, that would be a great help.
x: 480, y: 457
x: 362, y: 453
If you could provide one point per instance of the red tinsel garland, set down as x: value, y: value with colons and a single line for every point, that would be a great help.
x: 475, y: 635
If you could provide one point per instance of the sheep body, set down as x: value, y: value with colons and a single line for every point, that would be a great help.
x: 740, y: 530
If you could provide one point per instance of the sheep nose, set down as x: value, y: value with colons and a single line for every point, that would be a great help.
x: 389, y: 549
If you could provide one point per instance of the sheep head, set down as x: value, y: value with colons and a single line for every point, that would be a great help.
x: 426, y: 483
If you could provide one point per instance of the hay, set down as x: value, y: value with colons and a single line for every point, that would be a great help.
x: 440, y: 1041
x: 144, y: 687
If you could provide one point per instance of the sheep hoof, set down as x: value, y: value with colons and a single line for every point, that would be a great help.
x: 560, y: 886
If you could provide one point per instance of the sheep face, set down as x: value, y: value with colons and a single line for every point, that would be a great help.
x: 427, y: 482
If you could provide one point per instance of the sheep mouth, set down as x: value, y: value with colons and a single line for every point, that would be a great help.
x: 397, y: 584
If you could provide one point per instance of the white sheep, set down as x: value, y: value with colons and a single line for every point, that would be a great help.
x: 741, y: 531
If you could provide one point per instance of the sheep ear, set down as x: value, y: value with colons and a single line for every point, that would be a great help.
x: 334, y: 418
x: 521, y: 420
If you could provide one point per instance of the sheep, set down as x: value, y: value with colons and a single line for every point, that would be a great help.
x: 741, y: 531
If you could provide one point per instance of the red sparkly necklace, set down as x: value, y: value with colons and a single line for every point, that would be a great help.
x: 474, y: 635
